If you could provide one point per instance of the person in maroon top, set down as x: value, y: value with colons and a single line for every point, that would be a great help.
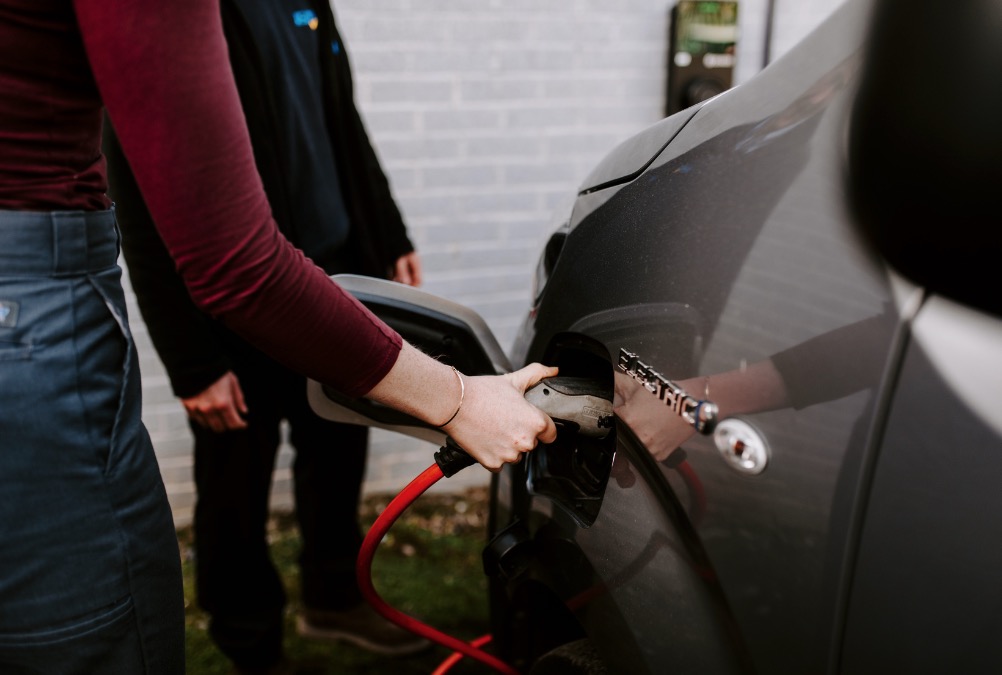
x: 89, y: 567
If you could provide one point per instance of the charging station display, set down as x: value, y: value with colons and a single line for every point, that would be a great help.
x: 701, y: 55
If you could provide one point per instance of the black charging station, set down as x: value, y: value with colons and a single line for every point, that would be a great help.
x: 702, y: 39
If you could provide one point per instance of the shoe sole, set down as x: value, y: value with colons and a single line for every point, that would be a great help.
x: 331, y: 635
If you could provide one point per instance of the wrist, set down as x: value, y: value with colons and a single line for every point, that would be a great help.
x: 459, y: 405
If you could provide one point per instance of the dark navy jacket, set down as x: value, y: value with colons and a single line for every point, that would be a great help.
x: 195, y: 349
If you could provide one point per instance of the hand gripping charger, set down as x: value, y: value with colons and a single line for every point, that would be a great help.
x: 582, y: 404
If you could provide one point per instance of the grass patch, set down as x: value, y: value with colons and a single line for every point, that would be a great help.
x: 427, y: 566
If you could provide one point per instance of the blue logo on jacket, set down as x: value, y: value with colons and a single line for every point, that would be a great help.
x: 306, y: 17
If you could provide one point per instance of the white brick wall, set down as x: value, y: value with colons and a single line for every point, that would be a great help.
x: 486, y: 115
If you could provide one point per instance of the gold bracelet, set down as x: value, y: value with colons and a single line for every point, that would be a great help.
x: 462, y: 395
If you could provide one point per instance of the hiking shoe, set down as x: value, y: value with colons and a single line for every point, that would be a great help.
x: 362, y: 626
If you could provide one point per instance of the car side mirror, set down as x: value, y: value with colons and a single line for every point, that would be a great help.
x: 443, y: 329
x: 925, y: 147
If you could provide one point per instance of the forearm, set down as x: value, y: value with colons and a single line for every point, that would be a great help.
x: 754, y: 388
x: 419, y: 386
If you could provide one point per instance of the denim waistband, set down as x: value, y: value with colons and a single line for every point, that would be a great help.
x: 57, y: 243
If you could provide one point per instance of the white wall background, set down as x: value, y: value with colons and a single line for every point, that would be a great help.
x: 486, y: 115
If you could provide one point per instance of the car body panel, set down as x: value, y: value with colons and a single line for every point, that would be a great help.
x: 629, y: 159
x: 928, y: 555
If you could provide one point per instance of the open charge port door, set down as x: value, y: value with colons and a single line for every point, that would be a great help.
x: 450, y: 332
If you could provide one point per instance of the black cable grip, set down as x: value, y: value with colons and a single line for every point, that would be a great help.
x: 452, y: 459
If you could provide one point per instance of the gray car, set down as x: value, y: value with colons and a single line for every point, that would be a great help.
x: 788, y: 292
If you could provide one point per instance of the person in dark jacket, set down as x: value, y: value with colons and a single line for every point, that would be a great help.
x: 330, y: 197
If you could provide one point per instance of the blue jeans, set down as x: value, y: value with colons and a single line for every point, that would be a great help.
x: 90, y: 574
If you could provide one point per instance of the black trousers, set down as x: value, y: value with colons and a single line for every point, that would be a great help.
x: 236, y: 582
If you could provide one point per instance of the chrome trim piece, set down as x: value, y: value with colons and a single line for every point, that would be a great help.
x: 700, y: 413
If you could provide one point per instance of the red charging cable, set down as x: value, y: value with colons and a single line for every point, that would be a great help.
x: 363, y: 569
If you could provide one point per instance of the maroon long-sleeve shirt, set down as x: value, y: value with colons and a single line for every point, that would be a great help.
x: 161, y: 70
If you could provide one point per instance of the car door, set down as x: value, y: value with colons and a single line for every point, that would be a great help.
x: 925, y: 594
